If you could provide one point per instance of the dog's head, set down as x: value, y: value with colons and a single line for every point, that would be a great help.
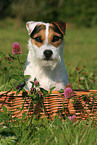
x: 46, y: 41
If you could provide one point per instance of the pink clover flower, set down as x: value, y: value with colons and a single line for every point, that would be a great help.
x: 16, y: 48
x: 72, y: 117
x: 68, y: 93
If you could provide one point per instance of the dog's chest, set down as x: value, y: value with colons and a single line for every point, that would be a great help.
x: 46, y: 78
x: 46, y: 82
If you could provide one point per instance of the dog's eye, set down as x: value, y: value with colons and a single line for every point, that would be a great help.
x: 56, y: 38
x: 38, y: 39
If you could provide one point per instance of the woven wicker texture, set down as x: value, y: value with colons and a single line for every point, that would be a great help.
x: 55, y: 104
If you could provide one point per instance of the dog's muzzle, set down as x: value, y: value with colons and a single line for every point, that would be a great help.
x: 48, y: 53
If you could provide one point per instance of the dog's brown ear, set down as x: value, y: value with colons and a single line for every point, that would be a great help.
x: 61, y: 25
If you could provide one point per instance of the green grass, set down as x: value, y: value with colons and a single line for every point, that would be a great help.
x: 9, y: 34
x: 80, y: 47
x: 80, y: 43
x: 46, y: 132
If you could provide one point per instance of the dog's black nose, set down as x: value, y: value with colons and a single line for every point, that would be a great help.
x: 48, y: 53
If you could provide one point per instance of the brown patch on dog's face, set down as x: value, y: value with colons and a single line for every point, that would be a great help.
x: 55, y: 37
x: 38, y: 35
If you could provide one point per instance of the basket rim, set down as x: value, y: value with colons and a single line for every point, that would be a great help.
x: 54, y: 92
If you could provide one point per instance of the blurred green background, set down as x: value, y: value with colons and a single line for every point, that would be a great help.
x: 80, y: 12
x: 81, y: 35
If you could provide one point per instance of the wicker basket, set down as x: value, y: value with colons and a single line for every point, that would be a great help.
x: 55, y: 104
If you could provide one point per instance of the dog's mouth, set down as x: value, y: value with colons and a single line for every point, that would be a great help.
x: 48, y: 63
x: 48, y: 59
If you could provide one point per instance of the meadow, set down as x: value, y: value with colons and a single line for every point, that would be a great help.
x: 80, y: 54
x: 80, y: 43
x: 80, y: 49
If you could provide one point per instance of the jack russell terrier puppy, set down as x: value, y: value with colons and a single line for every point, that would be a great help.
x: 45, y: 57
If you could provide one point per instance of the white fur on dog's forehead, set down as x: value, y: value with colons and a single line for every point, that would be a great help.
x: 32, y: 24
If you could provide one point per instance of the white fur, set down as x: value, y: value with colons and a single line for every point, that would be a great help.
x: 48, y: 73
